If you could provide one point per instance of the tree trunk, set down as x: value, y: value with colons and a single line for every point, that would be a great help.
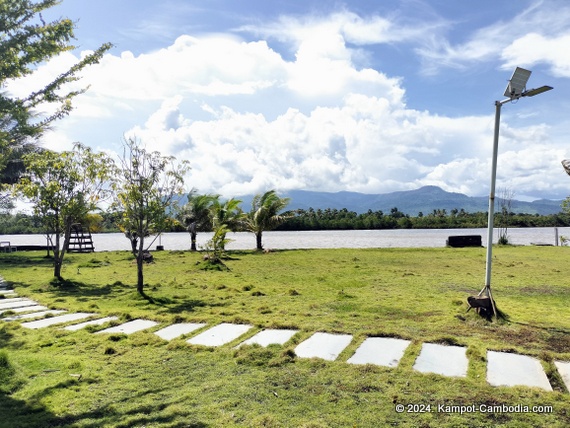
x: 193, y: 240
x: 140, y: 263
x: 258, y: 240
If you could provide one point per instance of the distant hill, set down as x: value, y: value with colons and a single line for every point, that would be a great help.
x: 425, y: 199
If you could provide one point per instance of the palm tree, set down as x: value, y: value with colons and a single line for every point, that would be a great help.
x: 264, y: 214
x: 226, y: 215
x: 195, y: 215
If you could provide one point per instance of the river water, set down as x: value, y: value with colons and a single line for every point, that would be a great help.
x: 404, y: 238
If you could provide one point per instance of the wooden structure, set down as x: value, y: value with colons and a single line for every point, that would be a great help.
x: 80, y: 240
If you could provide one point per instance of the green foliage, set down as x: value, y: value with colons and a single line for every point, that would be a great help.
x: 196, y: 215
x: 265, y: 214
x: 26, y: 41
x: 144, y: 192
x: 64, y: 188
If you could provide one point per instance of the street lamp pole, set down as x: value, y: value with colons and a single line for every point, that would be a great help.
x: 516, y: 89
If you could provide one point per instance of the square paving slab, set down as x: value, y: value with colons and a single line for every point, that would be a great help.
x: 444, y: 360
x: 34, y: 308
x: 46, y: 322
x: 175, y: 330
x: 505, y: 369
x: 564, y: 370
x: 323, y: 345
x: 382, y: 351
x: 33, y: 315
x: 130, y: 327
x: 99, y: 321
x: 17, y: 304
x: 270, y: 337
x: 220, y: 334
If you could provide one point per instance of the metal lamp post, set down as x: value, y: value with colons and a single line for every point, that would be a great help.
x: 515, y: 89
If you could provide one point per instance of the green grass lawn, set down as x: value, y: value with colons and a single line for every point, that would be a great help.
x: 51, y: 377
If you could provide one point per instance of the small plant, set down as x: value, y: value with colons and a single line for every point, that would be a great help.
x: 564, y: 240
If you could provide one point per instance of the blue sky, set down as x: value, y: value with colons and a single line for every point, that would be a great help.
x: 367, y: 96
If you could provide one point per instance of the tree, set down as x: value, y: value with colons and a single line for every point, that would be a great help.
x: 195, y: 215
x: 145, y: 188
x: 506, y: 196
x: 264, y: 214
x: 226, y: 216
x: 26, y: 41
x: 64, y: 188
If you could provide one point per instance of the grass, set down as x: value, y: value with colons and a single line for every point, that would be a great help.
x: 51, y: 377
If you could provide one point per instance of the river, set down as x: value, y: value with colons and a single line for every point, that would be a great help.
x: 404, y: 238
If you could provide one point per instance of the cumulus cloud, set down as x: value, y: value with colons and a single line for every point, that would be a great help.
x: 250, y: 118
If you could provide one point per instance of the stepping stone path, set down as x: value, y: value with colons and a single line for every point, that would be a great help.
x: 46, y: 322
x: 220, y: 334
x: 564, y: 370
x: 382, y: 351
x: 323, y: 345
x: 444, y: 360
x: 99, y: 321
x: 9, y: 304
x: 270, y: 337
x: 504, y: 369
x: 176, y: 330
x: 33, y: 315
x: 130, y: 327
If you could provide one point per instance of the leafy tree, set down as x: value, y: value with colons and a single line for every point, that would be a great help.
x: 145, y: 188
x: 196, y: 215
x: 226, y: 216
x: 265, y: 214
x: 26, y: 41
x: 64, y: 188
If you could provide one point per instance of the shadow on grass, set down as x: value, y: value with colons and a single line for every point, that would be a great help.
x: 32, y: 414
x: 25, y: 259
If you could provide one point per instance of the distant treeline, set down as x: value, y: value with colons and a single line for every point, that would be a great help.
x: 332, y: 219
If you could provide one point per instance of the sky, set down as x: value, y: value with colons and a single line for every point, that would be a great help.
x: 365, y: 96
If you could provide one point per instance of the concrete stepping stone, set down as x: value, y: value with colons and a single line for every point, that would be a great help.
x: 130, y: 327
x: 505, y: 369
x: 270, y: 337
x: 220, y: 334
x: 382, y: 351
x: 441, y: 359
x: 99, y: 321
x: 10, y: 299
x: 35, y: 308
x: 323, y: 345
x: 34, y: 315
x: 175, y: 330
x: 17, y: 304
x: 7, y: 292
x: 564, y: 370
x: 46, y: 322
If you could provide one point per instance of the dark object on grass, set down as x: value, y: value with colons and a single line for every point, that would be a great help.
x: 484, y: 307
x: 148, y: 257
x: 464, y: 241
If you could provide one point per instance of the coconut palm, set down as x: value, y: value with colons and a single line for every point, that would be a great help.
x: 264, y: 214
x: 227, y: 214
x: 195, y: 215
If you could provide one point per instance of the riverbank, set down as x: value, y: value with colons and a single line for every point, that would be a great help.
x: 398, y: 238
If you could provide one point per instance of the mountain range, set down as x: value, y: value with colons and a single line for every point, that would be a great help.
x: 425, y: 200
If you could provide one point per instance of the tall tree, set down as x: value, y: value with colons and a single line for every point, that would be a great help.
x: 265, y: 214
x: 195, y: 215
x: 145, y: 189
x: 26, y: 41
x: 64, y: 188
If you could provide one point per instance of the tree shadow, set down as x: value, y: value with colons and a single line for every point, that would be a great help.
x: 32, y: 414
